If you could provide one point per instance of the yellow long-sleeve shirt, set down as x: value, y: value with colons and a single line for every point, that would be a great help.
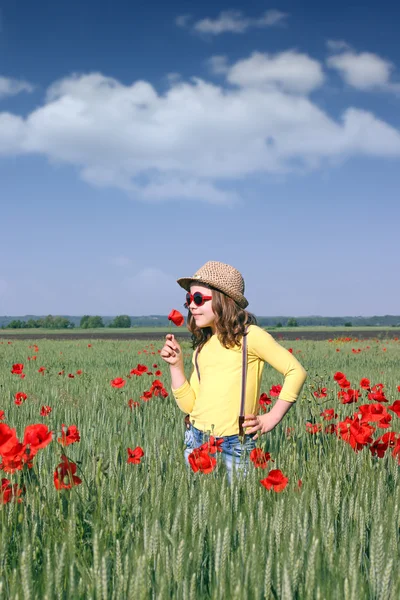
x: 216, y: 400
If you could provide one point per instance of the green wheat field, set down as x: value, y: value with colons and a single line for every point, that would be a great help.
x: 154, y: 529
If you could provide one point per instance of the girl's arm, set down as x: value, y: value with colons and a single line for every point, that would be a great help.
x: 263, y: 345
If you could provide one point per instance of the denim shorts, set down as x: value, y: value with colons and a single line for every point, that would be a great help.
x: 234, y: 453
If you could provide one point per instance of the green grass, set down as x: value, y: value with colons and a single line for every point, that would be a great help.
x: 155, y: 530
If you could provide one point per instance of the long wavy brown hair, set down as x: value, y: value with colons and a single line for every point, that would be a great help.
x: 230, y: 322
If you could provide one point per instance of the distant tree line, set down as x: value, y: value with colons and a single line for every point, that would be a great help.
x: 88, y: 322
x: 125, y: 321
x: 48, y: 322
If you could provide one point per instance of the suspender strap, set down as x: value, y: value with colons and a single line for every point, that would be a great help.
x: 244, y: 379
x: 196, y: 362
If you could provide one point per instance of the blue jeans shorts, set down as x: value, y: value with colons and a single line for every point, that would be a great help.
x: 234, y: 452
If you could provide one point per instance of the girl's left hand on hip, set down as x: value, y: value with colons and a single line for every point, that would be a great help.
x: 260, y: 423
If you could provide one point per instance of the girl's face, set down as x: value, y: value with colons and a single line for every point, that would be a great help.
x: 203, y: 315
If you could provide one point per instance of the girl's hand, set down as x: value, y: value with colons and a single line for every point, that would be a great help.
x: 171, y: 351
x: 260, y: 423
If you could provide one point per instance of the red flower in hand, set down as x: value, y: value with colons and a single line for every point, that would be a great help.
x: 176, y: 317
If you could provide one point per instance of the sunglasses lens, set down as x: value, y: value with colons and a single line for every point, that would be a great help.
x: 198, y: 299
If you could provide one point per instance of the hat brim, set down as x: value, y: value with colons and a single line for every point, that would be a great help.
x: 186, y: 282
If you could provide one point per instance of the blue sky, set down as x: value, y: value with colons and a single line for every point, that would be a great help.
x: 140, y: 140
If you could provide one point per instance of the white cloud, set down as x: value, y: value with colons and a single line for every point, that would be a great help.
x: 182, y: 20
x: 233, y: 21
x: 12, y: 87
x: 364, y: 71
x: 337, y: 45
x: 290, y: 71
x: 218, y: 65
x: 197, y: 141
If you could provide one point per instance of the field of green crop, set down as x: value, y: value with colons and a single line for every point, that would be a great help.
x: 93, y: 525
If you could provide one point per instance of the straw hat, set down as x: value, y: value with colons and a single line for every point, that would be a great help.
x: 221, y: 277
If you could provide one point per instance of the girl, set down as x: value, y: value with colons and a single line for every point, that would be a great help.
x: 218, y: 322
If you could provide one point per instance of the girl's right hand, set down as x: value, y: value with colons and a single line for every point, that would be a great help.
x: 171, y: 352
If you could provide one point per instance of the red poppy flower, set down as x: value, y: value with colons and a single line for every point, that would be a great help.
x: 275, y: 480
x: 71, y: 376
x: 70, y: 436
x: 17, y: 369
x: 20, y: 397
x: 264, y: 401
x: 375, y: 413
x: 201, y: 460
x: 140, y: 369
x: 118, y: 382
x: 398, y: 388
x: 37, y: 436
x: 45, y: 411
x: 344, y: 383
x: 349, y: 396
x: 176, y: 317
x: 365, y: 383
x: 2, y: 415
x: 213, y: 445
x: 79, y: 372
x: 328, y: 414
x: 259, y: 458
x: 275, y: 390
x: 378, y: 396
x: 313, y: 427
x: 379, y: 447
x: 135, y: 455
x: 330, y: 428
x: 355, y: 433
x: 395, y: 407
x: 158, y: 373
x: 132, y: 403
x: 339, y: 375
x: 321, y: 392
x: 41, y: 369
x: 146, y: 396
x: 9, y: 491
x: 61, y: 373
x: 64, y: 476
x: 8, y: 438
x: 378, y: 387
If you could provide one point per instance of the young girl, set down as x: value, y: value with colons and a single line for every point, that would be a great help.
x: 218, y: 322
